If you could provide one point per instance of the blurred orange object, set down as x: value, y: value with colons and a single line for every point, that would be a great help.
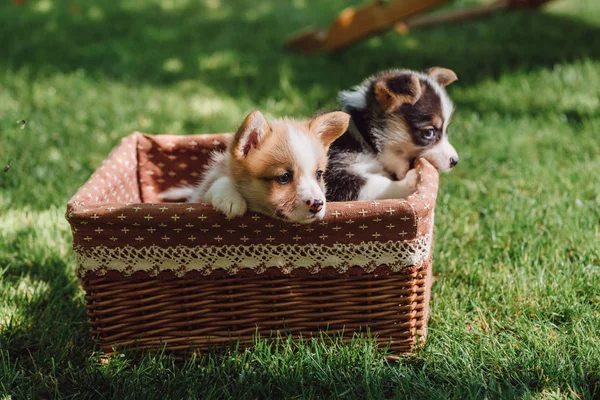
x: 356, y: 23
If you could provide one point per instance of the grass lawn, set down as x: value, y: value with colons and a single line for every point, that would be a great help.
x: 516, y: 307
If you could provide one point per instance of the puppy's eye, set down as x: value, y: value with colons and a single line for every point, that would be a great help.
x: 285, y: 178
x: 428, y: 133
x: 319, y: 175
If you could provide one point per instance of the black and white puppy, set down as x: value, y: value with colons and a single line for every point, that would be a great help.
x: 396, y: 117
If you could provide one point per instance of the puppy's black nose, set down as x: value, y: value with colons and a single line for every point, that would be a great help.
x: 316, y: 206
x: 453, y: 161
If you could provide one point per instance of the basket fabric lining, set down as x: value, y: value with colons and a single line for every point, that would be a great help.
x: 206, y: 259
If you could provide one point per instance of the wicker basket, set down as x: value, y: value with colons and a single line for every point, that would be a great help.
x: 185, y: 277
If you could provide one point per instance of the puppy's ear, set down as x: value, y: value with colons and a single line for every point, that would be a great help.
x: 329, y: 126
x: 443, y: 76
x: 250, y: 135
x: 394, y: 90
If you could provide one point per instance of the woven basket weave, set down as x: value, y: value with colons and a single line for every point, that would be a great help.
x: 182, y: 276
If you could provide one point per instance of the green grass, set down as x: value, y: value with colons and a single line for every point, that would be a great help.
x: 516, y: 307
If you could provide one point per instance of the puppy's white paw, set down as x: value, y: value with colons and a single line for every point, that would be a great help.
x: 408, y: 185
x: 411, y: 179
x: 224, y: 197
x: 402, y: 170
x: 232, y: 206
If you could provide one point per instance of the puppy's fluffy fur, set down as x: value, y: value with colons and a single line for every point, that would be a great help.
x: 397, y: 116
x: 275, y: 169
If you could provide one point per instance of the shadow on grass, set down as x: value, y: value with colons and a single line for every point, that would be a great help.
x: 43, y: 325
x: 54, y: 354
x: 237, y: 47
x: 237, y: 50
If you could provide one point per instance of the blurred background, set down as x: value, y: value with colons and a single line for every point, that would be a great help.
x: 516, y: 224
x: 87, y: 73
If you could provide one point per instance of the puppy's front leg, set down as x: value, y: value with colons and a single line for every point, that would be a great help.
x: 225, y: 198
x: 380, y: 187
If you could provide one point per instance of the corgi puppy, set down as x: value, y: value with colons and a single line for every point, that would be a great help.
x: 396, y: 117
x: 276, y: 169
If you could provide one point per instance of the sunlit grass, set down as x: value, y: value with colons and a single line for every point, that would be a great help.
x: 516, y: 306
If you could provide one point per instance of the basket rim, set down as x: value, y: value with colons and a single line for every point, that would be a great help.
x: 76, y: 208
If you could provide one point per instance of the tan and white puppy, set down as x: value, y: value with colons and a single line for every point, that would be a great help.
x: 276, y: 169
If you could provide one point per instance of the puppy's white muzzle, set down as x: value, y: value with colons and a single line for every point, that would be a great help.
x: 443, y: 156
x: 310, y: 204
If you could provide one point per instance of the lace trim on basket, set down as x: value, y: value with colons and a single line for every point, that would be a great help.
x: 206, y: 259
